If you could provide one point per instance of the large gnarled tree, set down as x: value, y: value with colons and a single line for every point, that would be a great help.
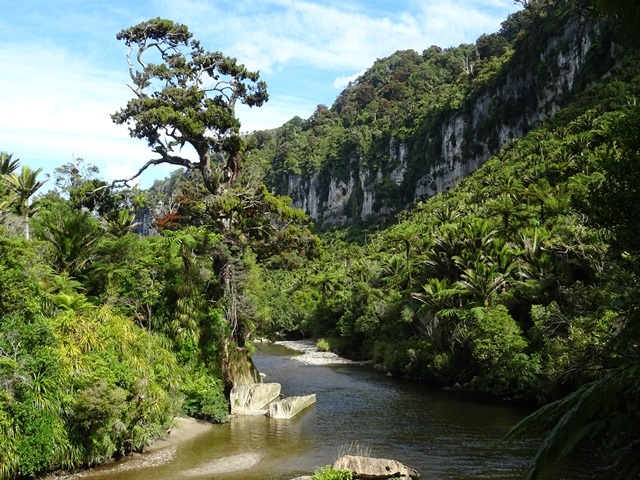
x: 185, y: 97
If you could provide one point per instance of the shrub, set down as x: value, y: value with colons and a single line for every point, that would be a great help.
x: 204, y: 398
x: 323, y: 345
x: 499, y: 350
x: 328, y: 473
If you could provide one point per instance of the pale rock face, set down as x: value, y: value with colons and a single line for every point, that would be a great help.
x: 313, y: 203
x: 568, y: 51
x: 367, y: 181
x: 400, y: 152
x: 453, y: 135
x: 251, y: 399
x: 339, y: 193
x: 568, y: 63
x: 443, y: 177
x: 291, y: 406
x: 368, y: 195
x: 304, y: 194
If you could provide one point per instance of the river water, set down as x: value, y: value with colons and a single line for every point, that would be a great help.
x: 442, y: 434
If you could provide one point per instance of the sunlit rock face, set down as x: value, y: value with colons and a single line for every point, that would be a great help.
x: 465, y: 140
x: 291, y: 406
x: 252, y: 399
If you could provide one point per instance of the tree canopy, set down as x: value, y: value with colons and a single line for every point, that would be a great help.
x: 186, y: 98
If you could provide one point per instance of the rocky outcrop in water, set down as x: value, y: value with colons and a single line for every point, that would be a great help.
x: 252, y: 399
x: 258, y: 399
x: 366, y: 468
x: 291, y: 406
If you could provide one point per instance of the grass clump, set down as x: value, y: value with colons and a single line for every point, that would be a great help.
x: 355, y: 449
x: 322, y: 344
x: 328, y: 473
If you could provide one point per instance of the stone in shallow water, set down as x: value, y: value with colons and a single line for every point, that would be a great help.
x: 291, y: 406
x: 374, y: 468
x: 252, y: 398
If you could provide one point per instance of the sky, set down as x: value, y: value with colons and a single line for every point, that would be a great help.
x: 63, y: 73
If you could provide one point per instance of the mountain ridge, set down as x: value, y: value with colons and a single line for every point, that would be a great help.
x: 413, y: 125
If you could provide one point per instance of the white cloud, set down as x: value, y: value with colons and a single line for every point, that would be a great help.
x: 342, y: 82
x: 58, y: 108
x: 277, y: 111
x: 325, y: 36
x: 59, y: 88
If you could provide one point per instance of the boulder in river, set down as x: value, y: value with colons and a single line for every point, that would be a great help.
x: 366, y: 468
x: 252, y: 399
x: 291, y: 406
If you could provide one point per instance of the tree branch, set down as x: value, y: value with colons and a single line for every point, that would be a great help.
x: 171, y: 159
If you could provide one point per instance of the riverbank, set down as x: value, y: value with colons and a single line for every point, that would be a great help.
x: 438, y: 433
x: 158, y: 453
x: 183, y: 429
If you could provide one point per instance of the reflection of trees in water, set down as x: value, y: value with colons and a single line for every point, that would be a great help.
x: 261, y: 430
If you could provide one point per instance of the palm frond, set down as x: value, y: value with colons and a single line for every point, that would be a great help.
x: 580, y: 416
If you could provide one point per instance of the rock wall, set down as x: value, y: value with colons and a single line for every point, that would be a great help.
x: 462, y: 144
x: 251, y: 399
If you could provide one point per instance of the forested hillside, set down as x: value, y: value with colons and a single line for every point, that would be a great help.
x: 517, y: 279
x: 414, y: 124
x: 521, y: 281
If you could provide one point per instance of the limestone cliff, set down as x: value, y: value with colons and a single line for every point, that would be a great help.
x: 436, y: 151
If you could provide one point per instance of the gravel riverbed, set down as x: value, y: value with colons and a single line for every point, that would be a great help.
x: 310, y: 354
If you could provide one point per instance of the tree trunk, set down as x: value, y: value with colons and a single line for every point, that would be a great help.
x: 211, y: 179
x: 237, y: 366
x: 27, y: 234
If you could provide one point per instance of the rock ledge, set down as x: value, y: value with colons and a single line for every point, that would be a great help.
x: 366, y: 468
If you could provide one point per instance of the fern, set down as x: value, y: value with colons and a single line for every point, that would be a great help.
x: 585, y: 416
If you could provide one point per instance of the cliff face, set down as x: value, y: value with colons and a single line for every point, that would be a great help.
x: 421, y: 166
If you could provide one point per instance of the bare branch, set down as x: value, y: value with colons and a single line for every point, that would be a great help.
x: 171, y: 159
x: 129, y: 62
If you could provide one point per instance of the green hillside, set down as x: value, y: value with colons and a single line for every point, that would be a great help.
x: 521, y: 281
x: 414, y: 124
x: 515, y: 275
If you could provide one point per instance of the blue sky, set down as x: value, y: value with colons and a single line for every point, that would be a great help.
x: 62, y: 71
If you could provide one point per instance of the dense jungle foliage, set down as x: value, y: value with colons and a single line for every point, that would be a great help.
x: 105, y: 336
x: 521, y: 282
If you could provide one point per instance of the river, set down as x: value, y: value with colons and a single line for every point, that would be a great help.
x: 450, y: 435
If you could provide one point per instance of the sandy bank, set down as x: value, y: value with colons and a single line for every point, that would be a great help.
x: 232, y: 463
x: 183, y: 429
x: 160, y: 452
